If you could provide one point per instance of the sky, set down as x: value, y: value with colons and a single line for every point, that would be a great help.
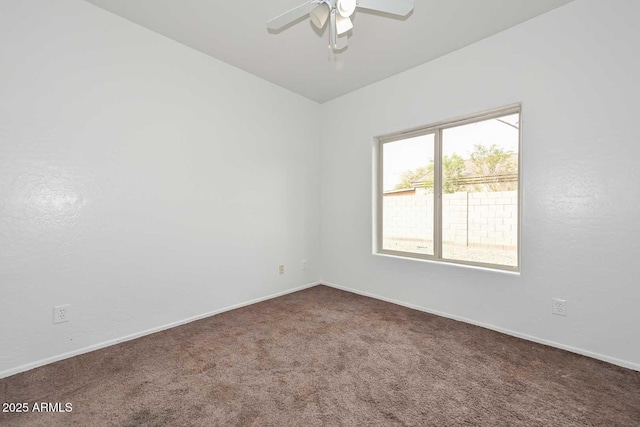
x: 409, y: 154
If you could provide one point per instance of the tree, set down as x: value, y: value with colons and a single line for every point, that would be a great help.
x: 495, y: 166
x: 452, y: 169
x: 409, y: 177
x: 488, y: 169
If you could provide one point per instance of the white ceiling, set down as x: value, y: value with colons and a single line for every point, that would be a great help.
x: 297, y: 58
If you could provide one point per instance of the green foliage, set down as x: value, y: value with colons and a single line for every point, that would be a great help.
x: 452, y: 170
x: 493, y: 164
x: 485, y: 170
x: 408, y: 178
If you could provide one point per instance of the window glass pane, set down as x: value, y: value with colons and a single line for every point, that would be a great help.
x: 407, y: 199
x: 480, y: 191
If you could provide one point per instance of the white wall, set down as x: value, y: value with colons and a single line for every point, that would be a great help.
x: 142, y: 182
x: 575, y: 70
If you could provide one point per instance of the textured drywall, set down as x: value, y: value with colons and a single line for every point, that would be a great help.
x: 142, y: 182
x: 575, y: 70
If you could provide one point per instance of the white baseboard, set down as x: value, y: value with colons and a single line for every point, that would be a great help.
x: 613, y: 360
x: 104, y: 344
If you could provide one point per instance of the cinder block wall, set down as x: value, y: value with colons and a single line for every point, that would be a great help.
x: 481, y: 219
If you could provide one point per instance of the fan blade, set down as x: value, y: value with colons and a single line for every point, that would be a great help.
x: 394, y: 7
x: 290, y: 16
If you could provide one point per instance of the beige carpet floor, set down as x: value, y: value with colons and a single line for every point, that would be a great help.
x: 324, y: 357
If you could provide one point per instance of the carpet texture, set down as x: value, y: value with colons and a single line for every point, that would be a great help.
x: 324, y: 357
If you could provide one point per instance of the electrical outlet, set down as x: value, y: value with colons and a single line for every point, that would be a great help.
x: 281, y: 269
x: 559, y: 307
x: 61, y: 313
x: 305, y: 264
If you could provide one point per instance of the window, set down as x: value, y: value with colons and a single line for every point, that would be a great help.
x: 451, y: 192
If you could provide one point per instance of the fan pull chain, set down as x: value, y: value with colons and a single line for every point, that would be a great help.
x: 332, y: 33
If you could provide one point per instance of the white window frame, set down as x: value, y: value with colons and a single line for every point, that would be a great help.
x: 436, y: 129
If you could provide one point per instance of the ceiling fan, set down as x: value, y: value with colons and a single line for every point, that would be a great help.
x: 338, y: 13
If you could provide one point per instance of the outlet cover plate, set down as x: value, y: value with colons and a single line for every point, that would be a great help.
x: 559, y: 307
x: 61, y: 313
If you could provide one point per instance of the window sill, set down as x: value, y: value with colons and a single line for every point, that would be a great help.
x: 449, y: 263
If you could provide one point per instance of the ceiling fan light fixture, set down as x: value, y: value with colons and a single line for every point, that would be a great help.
x: 319, y: 15
x: 343, y: 24
x: 338, y: 13
x: 346, y: 7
